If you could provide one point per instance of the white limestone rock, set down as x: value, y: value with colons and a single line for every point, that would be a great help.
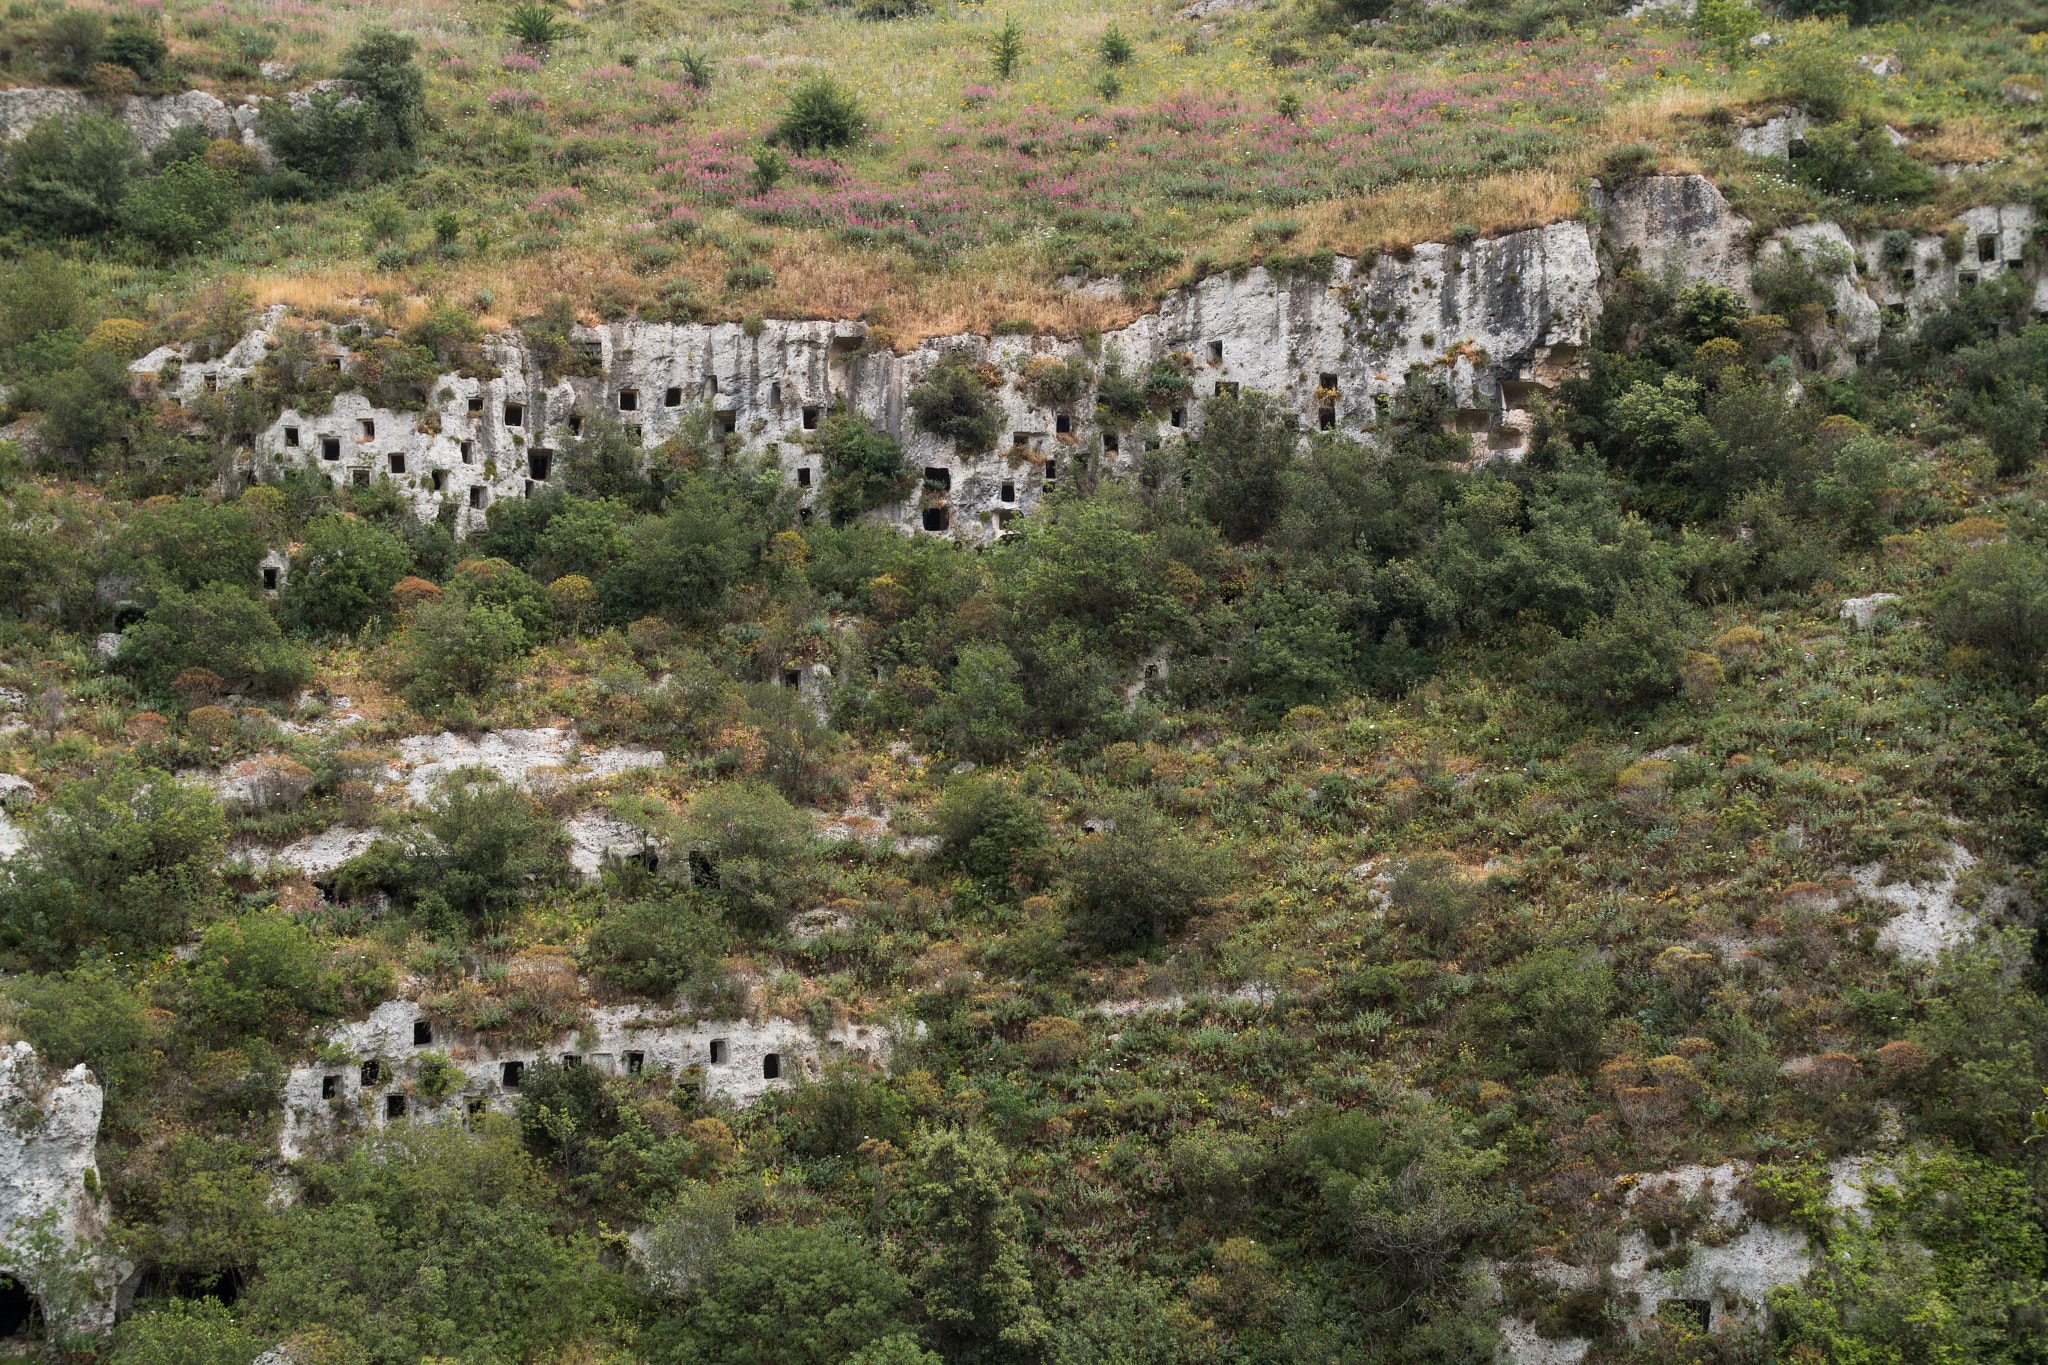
x: 49, y: 1135
x: 1863, y: 610
x: 616, y: 1039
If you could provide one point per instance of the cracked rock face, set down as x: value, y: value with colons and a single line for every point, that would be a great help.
x: 1496, y: 319
x: 49, y: 1133
x: 368, y: 1064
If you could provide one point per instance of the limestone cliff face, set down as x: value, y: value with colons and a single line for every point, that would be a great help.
x: 1682, y: 223
x: 400, y: 1065
x: 1496, y: 318
x: 49, y: 1133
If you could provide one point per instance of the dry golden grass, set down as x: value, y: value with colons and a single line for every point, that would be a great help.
x: 1968, y: 140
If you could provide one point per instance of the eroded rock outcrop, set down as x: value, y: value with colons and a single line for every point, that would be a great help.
x: 1496, y: 318
x: 51, y: 1212
x: 402, y: 1064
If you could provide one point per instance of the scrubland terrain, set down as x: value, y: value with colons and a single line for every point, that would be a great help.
x: 1297, y: 894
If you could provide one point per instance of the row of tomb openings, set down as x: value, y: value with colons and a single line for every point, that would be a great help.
x: 511, y: 1074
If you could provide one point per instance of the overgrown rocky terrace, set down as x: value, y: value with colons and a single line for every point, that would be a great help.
x: 1459, y: 775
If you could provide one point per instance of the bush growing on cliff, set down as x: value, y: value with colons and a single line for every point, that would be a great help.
x: 863, y: 465
x: 953, y: 401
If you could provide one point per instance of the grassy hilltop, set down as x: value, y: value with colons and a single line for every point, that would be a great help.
x: 1495, y: 838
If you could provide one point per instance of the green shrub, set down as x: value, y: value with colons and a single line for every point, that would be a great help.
x: 184, y: 207
x: 135, y: 44
x: 1554, y: 1005
x: 989, y: 829
x: 185, y: 1332
x: 259, y: 973
x: 1788, y: 280
x: 784, y: 1296
x: 1006, y: 49
x: 1139, y: 882
x: 686, y: 562
x: 193, y: 544
x: 2013, y: 421
x: 38, y: 297
x: 371, y: 1252
x: 863, y: 465
x: 327, y: 143
x: 1997, y: 600
x: 72, y: 41
x: 126, y: 857
x: 953, y: 401
x: 657, y: 948
x: 1243, y: 451
x: 342, y: 578
x: 1858, y: 161
x: 746, y: 839
x: 981, y: 708
x: 69, y: 176
x: 1431, y: 898
x: 1858, y: 492
x: 969, y: 1268
x: 456, y: 646
x: 1116, y: 49
x: 1627, y: 658
x: 820, y: 114
x: 223, y: 630
x: 86, y: 1015
x: 380, y: 65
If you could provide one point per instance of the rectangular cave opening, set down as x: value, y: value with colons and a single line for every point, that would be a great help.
x: 440, y: 480
x: 1062, y: 423
x: 476, y: 495
x: 509, y: 1075
x: 635, y: 1063
x: 810, y: 419
x: 291, y: 436
x: 515, y: 414
x: 476, y: 405
x: 422, y: 1033
x: 396, y: 461
x: 935, y: 519
x: 1215, y: 353
x: 394, y: 1106
x: 330, y: 447
x: 1110, y: 442
x: 792, y: 677
x: 672, y: 396
x: 270, y: 578
x: 372, y: 1073
x: 803, y: 476
x: 330, y: 1086
x: 771, y: 1066
x: 369, y: 429
x: 1987, y: 248
x: 1326, y: 419
x: 540, y: 462
x: 629, y: 400
x: 719, y: 1052
x: 360, y: 478
x: 938, y: 477
x: 1008, y: 493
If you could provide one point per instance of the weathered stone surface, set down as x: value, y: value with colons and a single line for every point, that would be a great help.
x: 671, y: 1042
x: 1681, y: 221
x: 1494, y: 317
x: 49, y: 1134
